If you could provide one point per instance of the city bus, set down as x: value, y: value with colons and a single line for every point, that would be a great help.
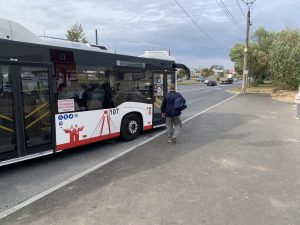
x: 56, y: 94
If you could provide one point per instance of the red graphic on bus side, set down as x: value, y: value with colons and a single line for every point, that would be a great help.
x: 74, y: 133
x: 104, y: 117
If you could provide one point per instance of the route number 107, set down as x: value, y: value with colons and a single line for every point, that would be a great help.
x: 114, y: 111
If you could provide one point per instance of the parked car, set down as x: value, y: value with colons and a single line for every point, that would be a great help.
x: 206, y: 81
x: 211, y: 83
x: 227, y: 81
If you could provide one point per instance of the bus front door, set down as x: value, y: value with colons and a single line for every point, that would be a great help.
x: 162, y: 81
x: 159, y: 92
x: 25, y: 110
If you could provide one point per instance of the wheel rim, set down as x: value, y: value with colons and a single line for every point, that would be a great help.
x: 133, y: 127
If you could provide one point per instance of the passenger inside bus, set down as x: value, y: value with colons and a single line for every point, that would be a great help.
x: 81, y: 97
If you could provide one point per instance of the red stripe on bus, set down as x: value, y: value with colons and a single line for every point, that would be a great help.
x: 149, y: 127
x: 87, y: 141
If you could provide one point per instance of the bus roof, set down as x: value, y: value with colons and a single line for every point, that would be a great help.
x: 13, y: 31
x: 10, y: 30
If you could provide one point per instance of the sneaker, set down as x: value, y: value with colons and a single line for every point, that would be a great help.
x: 297, y: 118
x: 169, y: 141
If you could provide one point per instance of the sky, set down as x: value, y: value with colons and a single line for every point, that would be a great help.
x: 134, y: 26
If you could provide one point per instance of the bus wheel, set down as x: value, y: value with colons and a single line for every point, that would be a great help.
x: 131, y: 127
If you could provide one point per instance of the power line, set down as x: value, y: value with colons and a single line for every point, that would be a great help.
x: 239, y: 5
x: 198, y: 26
x: 229, y: 15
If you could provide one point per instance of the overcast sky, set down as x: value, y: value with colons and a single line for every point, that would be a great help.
x: 134, y: 26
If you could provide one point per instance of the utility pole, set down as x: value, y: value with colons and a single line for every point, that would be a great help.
x: 249, y: 3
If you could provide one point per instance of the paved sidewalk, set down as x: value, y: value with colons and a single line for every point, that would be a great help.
x: 236, y: 164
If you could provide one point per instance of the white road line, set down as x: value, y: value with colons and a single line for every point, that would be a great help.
x: 293, y: 140
x: 101, y: 164
x: 191, y: 90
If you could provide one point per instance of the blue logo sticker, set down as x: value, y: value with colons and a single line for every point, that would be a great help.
x: 71, y: 116
x: 61, y: 123
x: 60, y: 117
x: 66, y: 116
x: 76, y: 115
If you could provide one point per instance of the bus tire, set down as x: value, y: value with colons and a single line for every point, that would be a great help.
x: 131, y: 127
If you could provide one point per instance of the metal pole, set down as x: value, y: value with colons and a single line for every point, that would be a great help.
x: 96, y: 37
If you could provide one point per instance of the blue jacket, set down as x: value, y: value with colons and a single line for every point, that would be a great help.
x: 168, y: 103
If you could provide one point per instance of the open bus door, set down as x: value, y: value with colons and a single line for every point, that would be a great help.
x: 26, y: 109
x: 159, y: 91
x: 161, y: 83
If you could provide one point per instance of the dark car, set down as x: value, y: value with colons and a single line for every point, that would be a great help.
x: 211, y: 83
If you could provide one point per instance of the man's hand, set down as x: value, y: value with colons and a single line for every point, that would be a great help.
x: 163, y: 115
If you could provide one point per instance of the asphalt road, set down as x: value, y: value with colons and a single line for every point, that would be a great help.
x: 19, y: 182
x: 236, y: 164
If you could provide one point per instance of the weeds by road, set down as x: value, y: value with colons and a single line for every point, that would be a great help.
x: 188, y: 82
x: 278, y: 95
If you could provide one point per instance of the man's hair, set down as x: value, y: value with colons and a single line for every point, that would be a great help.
x: 172, y: 87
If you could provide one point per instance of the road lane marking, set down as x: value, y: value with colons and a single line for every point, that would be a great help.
x: 206, y: 88
x: 192, y: 90
x: 99, y: 165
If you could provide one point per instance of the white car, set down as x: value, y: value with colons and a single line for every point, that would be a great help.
x: 199, y: 79
x: 206, y: 81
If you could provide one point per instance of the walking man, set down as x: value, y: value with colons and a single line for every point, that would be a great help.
x: 172, y: 105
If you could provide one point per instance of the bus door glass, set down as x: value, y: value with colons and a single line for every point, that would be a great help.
x: 171, y: 80
x: 35, y: 92
x: 159, y: 92
x: 7, y: 121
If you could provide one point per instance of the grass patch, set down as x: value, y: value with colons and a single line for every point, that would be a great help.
x: 187, y: 82
x: 284, y: 96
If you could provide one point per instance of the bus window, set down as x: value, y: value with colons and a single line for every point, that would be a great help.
x: 131, y: 86
x: 158, y: 85
x: 171, y: 80
x: 89, y: 88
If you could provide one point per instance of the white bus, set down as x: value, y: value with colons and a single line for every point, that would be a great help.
x: 57, y: 95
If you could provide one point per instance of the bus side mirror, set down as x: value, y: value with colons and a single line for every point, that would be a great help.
x: 185, y: 68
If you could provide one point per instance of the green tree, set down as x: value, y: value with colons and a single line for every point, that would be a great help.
x: 237, y: 56
x: 285, y: 59
x: 258, y: 64
x: 207, y: 72
x: 258, y: 54
x: 180, y: 73
x: 261, y: 54
x: 76, y: 33
x: 273, y: 56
